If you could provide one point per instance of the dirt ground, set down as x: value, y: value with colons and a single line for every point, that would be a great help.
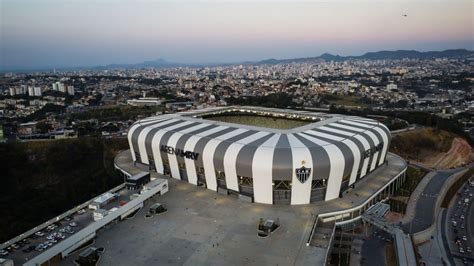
x: 460, y: 153
x: 390, y: 256
x: 393, y: 217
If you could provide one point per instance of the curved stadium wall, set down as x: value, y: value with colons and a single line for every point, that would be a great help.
x: 314, y: 162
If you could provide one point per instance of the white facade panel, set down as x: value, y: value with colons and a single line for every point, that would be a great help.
x: 365, y: 143
x: 172, y: 141
x: 374, y: 138
x: 300, y: 191
x: 190, y: 145
x: 230, y: 159
x: 350, y: 144
x: 362, y: 140
x: 381, y: 132
x: 208, y: 157
x: 385, y: 144
x: 142, y: 136
x: 337, y: 165
x: 132, y: 129
x: 262, y: 171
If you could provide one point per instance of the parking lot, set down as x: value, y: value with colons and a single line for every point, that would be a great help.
x: 460, y: 225
x: 33, y: 245
x: 205, y: 228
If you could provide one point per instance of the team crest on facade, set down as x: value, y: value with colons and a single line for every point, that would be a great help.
x: 303, y: 173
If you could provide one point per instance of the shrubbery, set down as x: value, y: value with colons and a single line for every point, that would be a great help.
x: 415, y: 145
x: 43, y: 179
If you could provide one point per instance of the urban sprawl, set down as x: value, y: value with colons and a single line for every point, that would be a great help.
x: 56, y: 104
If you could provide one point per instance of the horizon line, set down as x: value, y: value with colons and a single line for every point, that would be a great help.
x: 26, y: 69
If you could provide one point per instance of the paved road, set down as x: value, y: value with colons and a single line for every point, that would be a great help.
x: 425, y: 203
x: 454, y: 211
x: 445, y: 238
x: 470, y: 222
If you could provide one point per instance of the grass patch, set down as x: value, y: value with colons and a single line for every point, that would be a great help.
x: 259, y: 121
x: 344, y: 100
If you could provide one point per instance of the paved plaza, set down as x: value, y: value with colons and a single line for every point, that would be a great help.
x: 203, y: 227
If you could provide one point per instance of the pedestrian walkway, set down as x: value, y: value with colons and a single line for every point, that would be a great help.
x: 404, y: 246
x: 433, y: 252
x: 415, y: 195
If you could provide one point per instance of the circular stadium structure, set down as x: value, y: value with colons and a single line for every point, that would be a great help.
x: 265, y: 155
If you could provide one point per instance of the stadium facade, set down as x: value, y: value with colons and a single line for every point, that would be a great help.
x: 317, y: 161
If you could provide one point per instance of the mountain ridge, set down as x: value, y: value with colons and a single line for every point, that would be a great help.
x: 379, y: 55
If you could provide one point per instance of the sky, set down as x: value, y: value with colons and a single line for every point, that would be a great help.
x: 69, y: 33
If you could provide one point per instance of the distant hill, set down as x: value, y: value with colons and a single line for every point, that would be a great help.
x: 399, y: 54
x: 158, y: 63
x: 381, y: 55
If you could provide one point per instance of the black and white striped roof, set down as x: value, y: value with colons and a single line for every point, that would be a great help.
x: 336, y: 147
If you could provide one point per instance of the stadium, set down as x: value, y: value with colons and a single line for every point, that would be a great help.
x: 263, y: 155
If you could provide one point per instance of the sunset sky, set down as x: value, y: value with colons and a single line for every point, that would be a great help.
x: 63, y: 33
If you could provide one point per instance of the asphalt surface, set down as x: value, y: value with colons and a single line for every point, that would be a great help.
x: 450, y: 233
x: 373, y: 249
x: 21, y: 255
x: 445, y: 237
x: 205, y: 228
x: 425, y: 204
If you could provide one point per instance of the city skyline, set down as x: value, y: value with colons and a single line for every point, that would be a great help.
x: 199, y: 32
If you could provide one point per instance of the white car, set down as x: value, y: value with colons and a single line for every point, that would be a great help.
x: 3, y: 252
